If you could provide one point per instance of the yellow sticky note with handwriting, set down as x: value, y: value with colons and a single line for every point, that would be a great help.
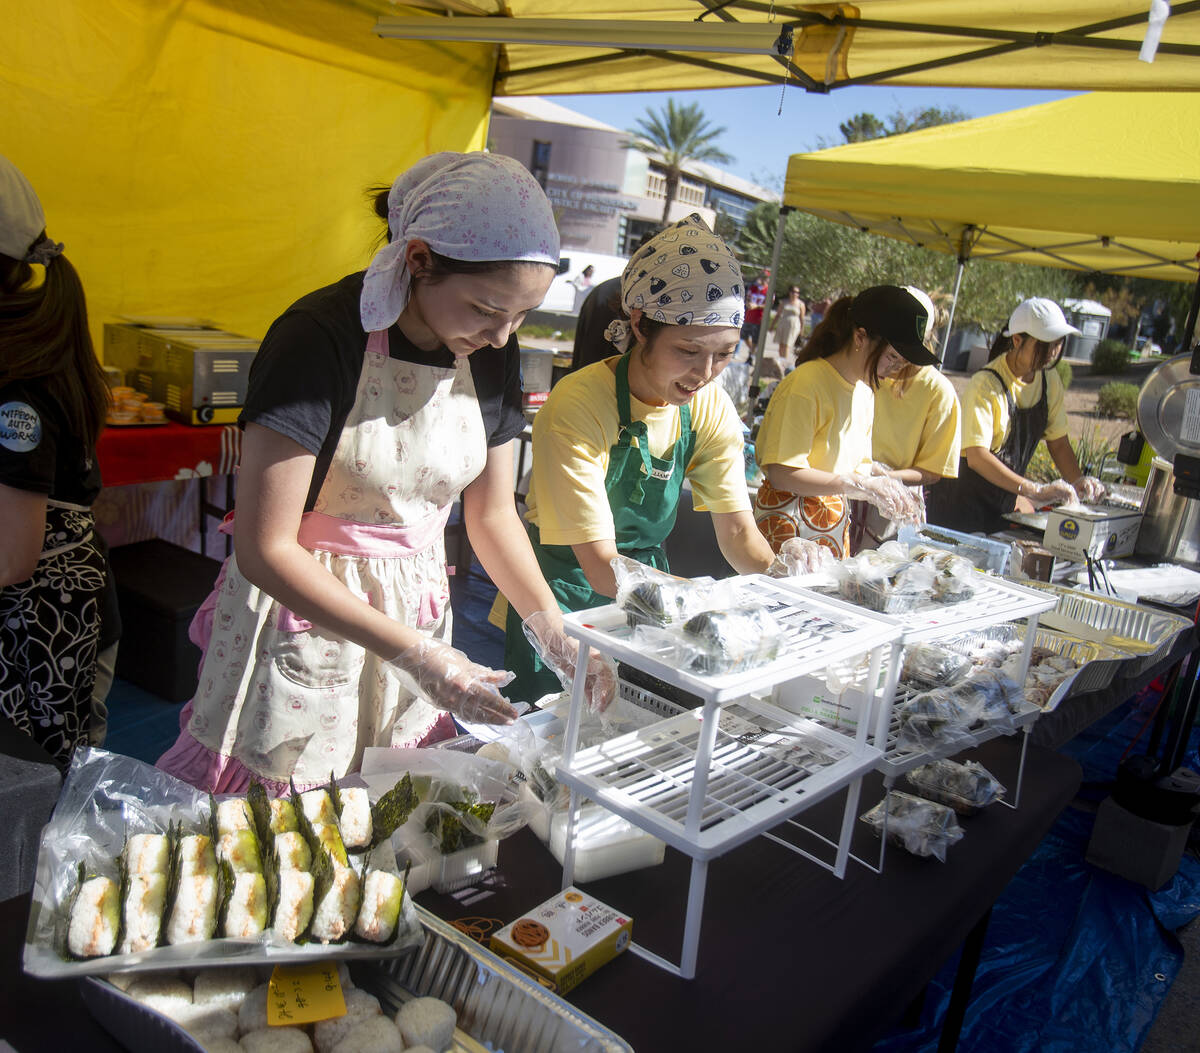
x: 302, y: 994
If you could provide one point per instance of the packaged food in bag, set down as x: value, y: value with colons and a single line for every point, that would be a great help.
x: 921, y: 827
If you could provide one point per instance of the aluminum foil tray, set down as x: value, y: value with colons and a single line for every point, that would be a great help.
x: 1141, y: 634
x: 498, y: 1008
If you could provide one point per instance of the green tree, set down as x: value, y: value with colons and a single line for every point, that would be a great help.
x: 673, y: 136
x: 830, y: 259
x: 864, y: 126
x: 861, y: 127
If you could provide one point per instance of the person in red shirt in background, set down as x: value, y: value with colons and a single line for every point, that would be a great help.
x: 756, y: 302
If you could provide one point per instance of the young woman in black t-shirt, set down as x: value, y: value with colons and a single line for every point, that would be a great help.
x: 53, y: 400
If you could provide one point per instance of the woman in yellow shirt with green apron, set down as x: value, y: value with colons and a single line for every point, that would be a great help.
x: 615, y: 441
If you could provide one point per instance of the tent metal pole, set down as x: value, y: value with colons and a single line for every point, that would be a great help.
x: 760, y: 343
x: 964, y: 253
x: 1189, y: 329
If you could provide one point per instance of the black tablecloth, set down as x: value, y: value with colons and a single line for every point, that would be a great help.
x: 791, y: 958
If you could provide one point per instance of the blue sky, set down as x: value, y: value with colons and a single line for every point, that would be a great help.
x: 761, y: 139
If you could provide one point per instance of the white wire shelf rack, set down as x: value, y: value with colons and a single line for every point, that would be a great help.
x: 765, y: 764
x: 711, y: 778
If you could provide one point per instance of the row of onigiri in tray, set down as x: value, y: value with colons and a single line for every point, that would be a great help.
x: 313, y: 866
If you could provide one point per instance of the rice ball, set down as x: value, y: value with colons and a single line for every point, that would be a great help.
x: 360, y: 1006
x: 252, y: 1013
x: 163, y: 994
x: 223, y: 987
x: 212, y: 1021
x: 376, y: 1035
x: 276, y: 1040
x: 121, y: 981
x: 427, y: 1022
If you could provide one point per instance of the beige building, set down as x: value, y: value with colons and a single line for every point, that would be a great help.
x: 605, y: 193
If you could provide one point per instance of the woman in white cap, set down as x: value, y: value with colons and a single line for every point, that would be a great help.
x: 1010, y: 405
x: 373, y: 403
x: 615, y: 440
x: 53, y: 400
x: 915, y: 430
x: 814, y: 444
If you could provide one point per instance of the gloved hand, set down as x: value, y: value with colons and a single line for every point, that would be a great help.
x: 450, y: 680
x: 895, y: 500
x: 560, y: 652
x: 1058, y: 492
x: 1089, y: 488
x: 798, y: 555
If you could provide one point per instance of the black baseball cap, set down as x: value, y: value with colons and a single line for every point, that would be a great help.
x: 897, y: 316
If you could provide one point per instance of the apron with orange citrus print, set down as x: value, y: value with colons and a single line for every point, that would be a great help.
x: 824, y: 519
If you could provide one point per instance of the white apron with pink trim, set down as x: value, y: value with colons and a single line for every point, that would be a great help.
x: 280, y: 699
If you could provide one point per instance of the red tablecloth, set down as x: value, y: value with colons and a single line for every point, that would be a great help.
x: 167, y: 451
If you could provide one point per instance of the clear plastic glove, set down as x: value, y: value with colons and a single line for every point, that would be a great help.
x: 560, y: 653
x: 1059, y: 492
x: 451, y: 681
x: 895, y: 500
x: 798, y: 555
x: 1089, y: 489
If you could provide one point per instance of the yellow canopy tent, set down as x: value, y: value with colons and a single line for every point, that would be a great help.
x: 1104, y: 182
x: 550, y: 46
x: 209, y: 157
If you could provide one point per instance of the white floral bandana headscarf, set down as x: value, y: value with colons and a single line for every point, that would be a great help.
x: 684, y: 276
x: 22, y: 222
x: 465, y: 206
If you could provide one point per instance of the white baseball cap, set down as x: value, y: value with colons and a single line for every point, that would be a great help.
x: 1040, y: 318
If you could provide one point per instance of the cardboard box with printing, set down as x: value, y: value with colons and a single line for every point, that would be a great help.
x: 199, y: 375
x: 1101, y: 533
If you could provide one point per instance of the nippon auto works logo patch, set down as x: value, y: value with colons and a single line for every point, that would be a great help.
x: 20, y: 427
x: 1068, y: 529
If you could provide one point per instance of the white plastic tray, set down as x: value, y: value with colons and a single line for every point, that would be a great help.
x: 818, y: 630
x: 766, y: 764
x: 996, y: 600
x: 898, y: 760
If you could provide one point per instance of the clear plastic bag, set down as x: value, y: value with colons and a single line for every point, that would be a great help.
x: 954, y: 578
x: 933, y: 718
x: 929, y: 666
x: 650, y: 597
x: 885, y: 580
x: 965, y: 787
x: 107, y: 798
x: 921, y: 827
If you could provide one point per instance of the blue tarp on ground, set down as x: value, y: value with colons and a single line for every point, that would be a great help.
x: 1076, y: 960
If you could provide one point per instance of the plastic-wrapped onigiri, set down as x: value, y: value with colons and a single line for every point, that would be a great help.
x: 146, y: 854
x: 335, y: 914
x: 194, y: 916
x: 293, y: 851
x: 283, y: 815
x: 247, y: 914
x: 295, y: 907
x: 95, y: 918
x: 356, y: 817
x: 381, y: 898
x: 318, y: 807
x: 145, y: 899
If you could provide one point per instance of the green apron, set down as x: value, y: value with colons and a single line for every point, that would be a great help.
x: 643, y: 494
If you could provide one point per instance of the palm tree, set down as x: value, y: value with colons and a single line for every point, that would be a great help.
x: 674, y: 136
